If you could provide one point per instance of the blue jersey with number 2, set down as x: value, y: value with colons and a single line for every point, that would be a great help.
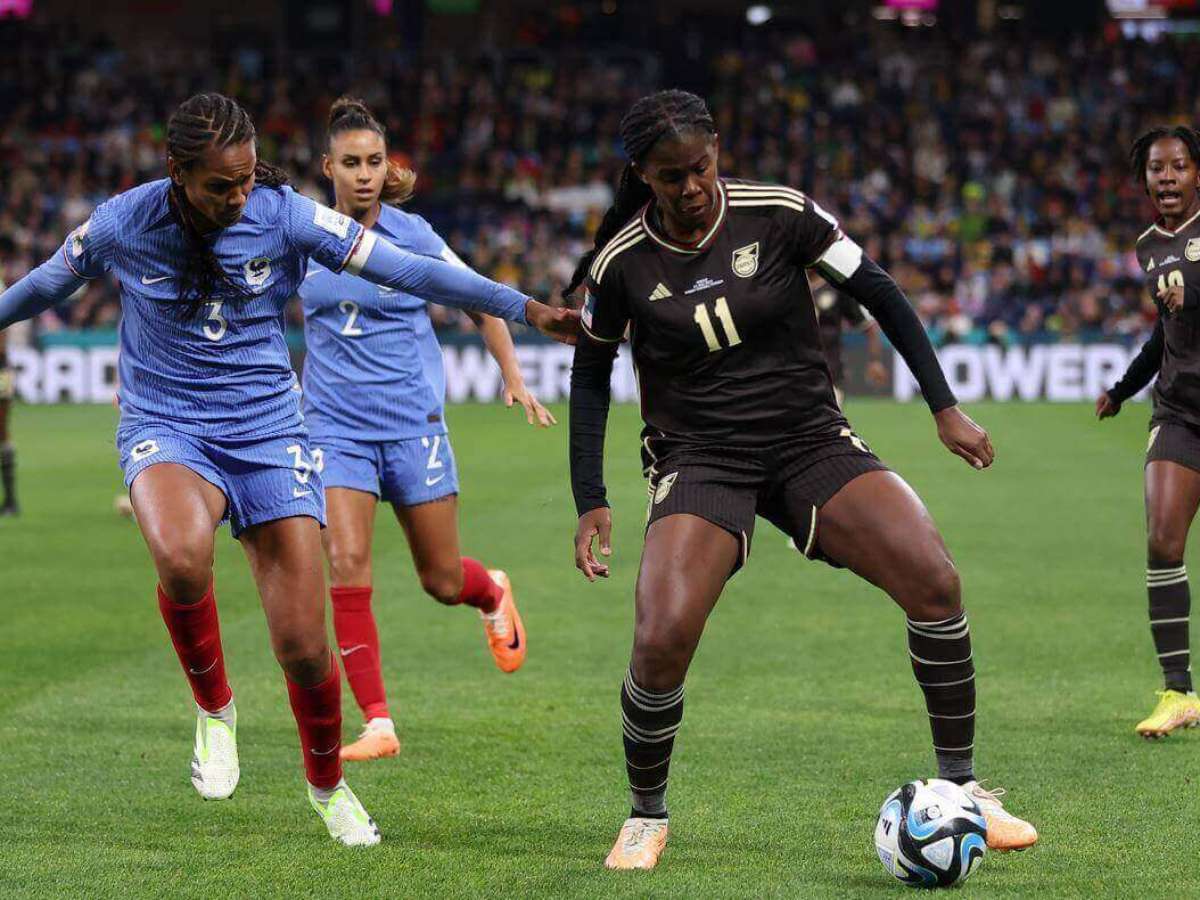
x: 373, y: 369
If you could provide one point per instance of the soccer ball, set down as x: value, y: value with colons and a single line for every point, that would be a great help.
x: 930, y: 834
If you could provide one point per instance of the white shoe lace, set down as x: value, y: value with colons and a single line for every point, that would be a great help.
x: 991, y: 799
x: 497, y: 621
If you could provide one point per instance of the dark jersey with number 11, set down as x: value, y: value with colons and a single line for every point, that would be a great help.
x: 724, y: 332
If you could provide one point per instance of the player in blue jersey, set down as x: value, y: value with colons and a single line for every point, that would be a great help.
x: 210, y: 409
x: 374, y: 390
x: 8, y: 455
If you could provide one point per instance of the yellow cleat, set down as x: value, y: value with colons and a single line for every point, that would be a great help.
x: 378, y: 740
x: 1175, y: 710
x: 1004, y: 830
x: 503, y: 628
x: 639, y: 845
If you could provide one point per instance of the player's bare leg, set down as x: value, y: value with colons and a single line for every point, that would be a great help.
x: 878, y: 528
x: 350, y: 525
x: 1172, y: 498
x: 685, y: 564
x: 8, y: 454
x: 178, y: 513
x: 285, y: 559
x: 453, y: 579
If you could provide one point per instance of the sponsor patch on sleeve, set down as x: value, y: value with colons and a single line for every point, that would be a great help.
x: 332, y: 221
x: 589, y: 308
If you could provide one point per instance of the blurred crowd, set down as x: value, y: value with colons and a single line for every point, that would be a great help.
x: 988, y: 175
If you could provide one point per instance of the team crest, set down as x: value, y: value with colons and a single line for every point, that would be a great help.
x: 745, y: 260
x: 664, y: 487
x: 257, y: 271
x: 1192, y: 251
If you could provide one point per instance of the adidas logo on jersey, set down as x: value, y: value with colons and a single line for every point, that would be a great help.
x: 659, y: 293
x: 1150, y: 265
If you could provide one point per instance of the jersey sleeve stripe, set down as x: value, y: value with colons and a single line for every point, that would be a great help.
x: 612, y: 246
x: 596, y: 337
x: 746, y: 190
x: 357, y: 257
x: 74, y: 271
x: 636, y: 238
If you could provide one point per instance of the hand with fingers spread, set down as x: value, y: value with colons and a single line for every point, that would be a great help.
x: 516, y: 392
x: 595, y: 523
x: 964, y: 438
x: 1106, y: 406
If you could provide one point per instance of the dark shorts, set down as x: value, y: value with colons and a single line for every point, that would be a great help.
x: 1174, y: 442
x: 786, y: 484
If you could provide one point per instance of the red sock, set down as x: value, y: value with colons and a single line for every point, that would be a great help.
x: 358, y: 641
x: 196, y: 634
x: 318, y: 712
x: 478, y: 589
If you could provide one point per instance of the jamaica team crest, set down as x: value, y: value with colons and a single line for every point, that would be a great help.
x: 1192, y: 251
x: 745, y: 260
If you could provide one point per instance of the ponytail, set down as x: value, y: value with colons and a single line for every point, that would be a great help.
x: 632, y: 195
x: 397, y: 184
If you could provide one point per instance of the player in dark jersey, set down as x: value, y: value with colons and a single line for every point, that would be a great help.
x: 8, y: 454
x: 1166, y: 162
x: 835, y: 310
x: 708, y: 276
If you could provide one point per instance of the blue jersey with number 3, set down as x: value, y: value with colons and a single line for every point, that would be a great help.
x: 225, y: 371
x: 373, y: 370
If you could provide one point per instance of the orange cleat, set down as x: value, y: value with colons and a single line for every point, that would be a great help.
x: 378, y: 740
x: 503, y: 628
x: 639, y: 845
x: 1004, y: 830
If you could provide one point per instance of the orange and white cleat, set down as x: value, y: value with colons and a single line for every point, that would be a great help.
x: 639, y: 845
x: 503, y: 628
x: 377, y: 741
x: 1004, y: 830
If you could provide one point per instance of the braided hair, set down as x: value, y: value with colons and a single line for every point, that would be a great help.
x: 351, y: 114
x: 658, y: 116
x: 200, y: 123
x: 1139, y: 153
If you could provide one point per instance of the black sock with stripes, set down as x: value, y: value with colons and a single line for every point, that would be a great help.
x: 942, y: 664
x: 649, y: 720
x: 1170, y: 606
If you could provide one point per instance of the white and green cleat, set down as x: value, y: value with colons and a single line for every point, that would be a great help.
x: 215, y: 770
x: 344, y: 816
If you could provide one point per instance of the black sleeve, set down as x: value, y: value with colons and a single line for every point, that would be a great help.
x: 1143, y: 368
x: 591, y: 378
x: 875, y: 290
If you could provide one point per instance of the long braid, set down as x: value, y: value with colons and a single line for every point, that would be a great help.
x: 203, y: 122
x: 1139, y: 153
x: 665, y: 114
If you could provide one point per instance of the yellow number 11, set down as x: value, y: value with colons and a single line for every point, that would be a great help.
x: 706, y: 326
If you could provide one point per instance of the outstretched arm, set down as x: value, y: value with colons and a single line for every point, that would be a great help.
x: 862, y: 279
x: 1141, y: 371
x: 48, y: 285
x: 500, y: 344
x: 591, y: 376
x: 380, y: 261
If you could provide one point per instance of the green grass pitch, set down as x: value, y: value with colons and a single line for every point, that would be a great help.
x: 801, y: 714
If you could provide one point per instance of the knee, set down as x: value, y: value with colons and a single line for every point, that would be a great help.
x: 443, y: 583
x: 1165, y: 542
x: 304, y: 658
x: 184, y: 570
x: 661, y: 654
x: 349, y: 566
x: 936, y: 593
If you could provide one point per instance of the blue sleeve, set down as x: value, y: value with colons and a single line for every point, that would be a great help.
x: 320, y: 232
x: 87, y: 250
x: 48, y: 285
x: 382, y: 262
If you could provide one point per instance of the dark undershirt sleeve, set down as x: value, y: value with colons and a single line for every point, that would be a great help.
x: 1143, y: 368
x: 882, y: 297
x: 591, y: 378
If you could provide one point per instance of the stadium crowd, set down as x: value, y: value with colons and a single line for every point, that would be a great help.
x: 999, y: 216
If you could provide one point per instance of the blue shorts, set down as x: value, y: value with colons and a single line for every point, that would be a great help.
x: 407, y: 473
x: 262, y: 480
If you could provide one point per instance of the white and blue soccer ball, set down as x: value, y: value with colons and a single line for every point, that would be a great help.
x: 930, y: 834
